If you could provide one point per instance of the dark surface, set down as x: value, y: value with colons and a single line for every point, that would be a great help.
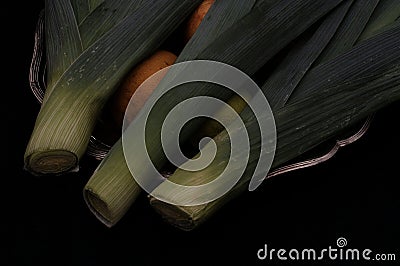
x: 354, y: 195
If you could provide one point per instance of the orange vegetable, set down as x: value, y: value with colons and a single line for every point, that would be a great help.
x: 136, y: 77
x: 196, y: 18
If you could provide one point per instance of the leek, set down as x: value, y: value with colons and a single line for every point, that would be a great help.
x: 82, y: 79
x: 354, y: 85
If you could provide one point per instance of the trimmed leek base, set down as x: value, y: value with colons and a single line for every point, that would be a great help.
x: 61, y: 134
x: 111, y: 190
x: 189, y: 218
x: 178, y: 216
x: 48, y: 162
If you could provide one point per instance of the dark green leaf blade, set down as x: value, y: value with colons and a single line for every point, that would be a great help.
x: 291, y: 70
x: 256, y: 38
x: 94, y: 3
x: 104, y: 17
x: 81, y: 9
x: 347, y: 68
x: 385, y: 14
x: 63, y: 41
x: 221, y: 16
x: 350, y: 30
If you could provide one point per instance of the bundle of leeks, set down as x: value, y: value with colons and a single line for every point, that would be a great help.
x: 340, y: 64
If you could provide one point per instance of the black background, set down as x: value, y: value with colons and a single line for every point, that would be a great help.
x: 354, y: 195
